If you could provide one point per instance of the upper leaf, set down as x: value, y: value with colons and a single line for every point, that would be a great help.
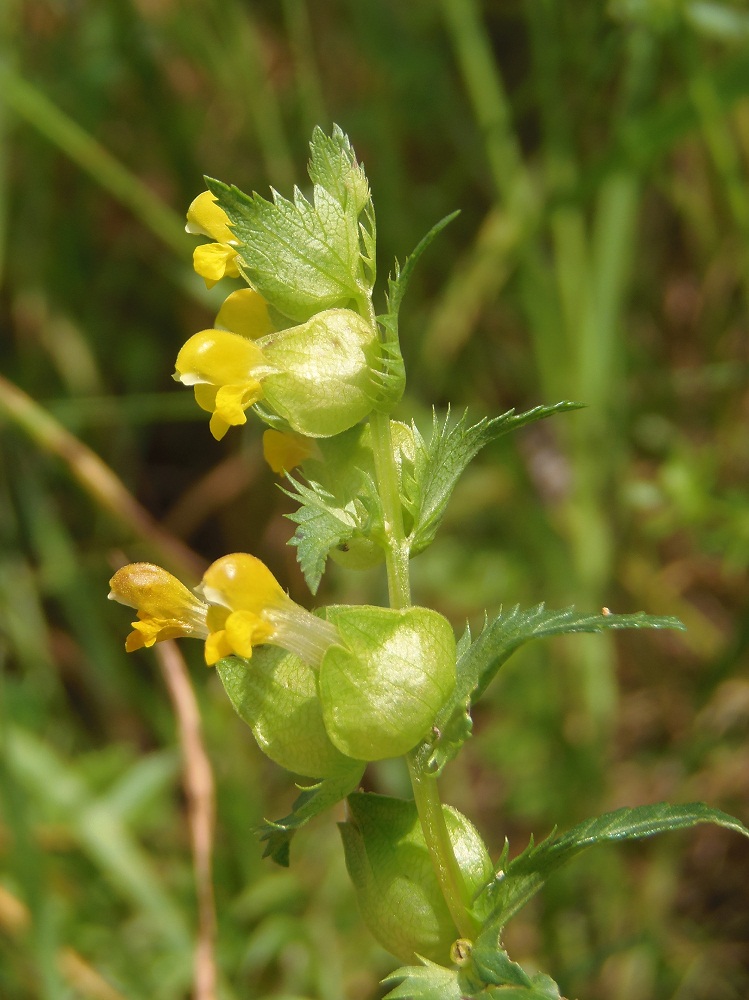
x: 439, y: 463
x: 323, y: 524
x: 334, y: 167
x: 511, y: 629
x: 304, y: 256
x: 494, y: 646
x: 398, y: 281
x: 526, y: 874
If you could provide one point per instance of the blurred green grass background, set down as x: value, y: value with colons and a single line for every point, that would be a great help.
x: 600, y: 156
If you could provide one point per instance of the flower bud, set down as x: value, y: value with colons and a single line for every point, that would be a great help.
x: 383, y: 686
x: 396, y: 887
x: 166, y: 608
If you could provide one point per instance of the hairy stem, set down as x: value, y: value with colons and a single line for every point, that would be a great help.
x: 397, y: 548
x: 432, y: 818
x: 397, y: 551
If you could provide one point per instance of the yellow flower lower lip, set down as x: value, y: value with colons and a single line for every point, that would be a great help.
x: 214, y: 261
x: 218, y: 260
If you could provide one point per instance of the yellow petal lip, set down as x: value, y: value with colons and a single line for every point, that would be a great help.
x: 225, y: 370
x: 233, y: 400
x: 241, y: 590
x: 217, y: 647
x: 244, y: 629
x: 245, y: 312
x: 214, y: 261
x: 242, y: 582
x: 219, y: 358
x: 218, y: 427
x: 206, y: 218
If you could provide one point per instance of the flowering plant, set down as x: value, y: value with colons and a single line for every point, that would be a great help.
x: 327, y: 692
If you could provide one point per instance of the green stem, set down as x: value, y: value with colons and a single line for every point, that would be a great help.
x: 397, y: 550
x: 386, y: 470
x: 432, y: 819
x: 426, y: 793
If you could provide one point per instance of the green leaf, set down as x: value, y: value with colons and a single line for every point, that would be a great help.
x: 525, y: 875
x: 427, y: 982
x: 488, y: 974
x: 491, y: 973
x: 512, y: 629
x: 494, y: 646
x: 439, y: 464
x: 314, y: 800
x: 399, y: 279
x: 323, y: 525
x: 305, y: 256
x: 333, y: 166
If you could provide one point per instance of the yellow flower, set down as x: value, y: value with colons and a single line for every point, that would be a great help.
x: 166, y: 608
x: 224, y: 370
x: 212, y: 261
x: 284, y: 450
x: 317, y: 377
x: 249, y: 607
x: 244, y: 607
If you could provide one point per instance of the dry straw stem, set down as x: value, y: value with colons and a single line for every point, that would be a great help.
x: 201, y: 807
x: 96, y: 478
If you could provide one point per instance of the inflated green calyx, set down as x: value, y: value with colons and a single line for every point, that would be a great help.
x: 396, y: 888
x: 321, y: 380
x: 383, y: 686
x: 276, y: 695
